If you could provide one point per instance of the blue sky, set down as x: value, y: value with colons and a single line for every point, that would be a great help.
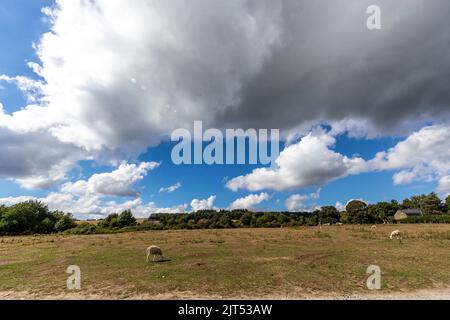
x: 21, y: 25
x: 104, y: 139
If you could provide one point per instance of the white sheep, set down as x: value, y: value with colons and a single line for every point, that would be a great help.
x: 396, y: 234
x: 373, y: 227
x: 154, y: 251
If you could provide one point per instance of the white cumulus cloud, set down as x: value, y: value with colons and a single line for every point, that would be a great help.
x: 205, y: 204
x: 298, y: 202
x: 444, y: 186
x: 249, y: 202
x: 116, y: 183
x: 310, y: 162
x: 422, y: 156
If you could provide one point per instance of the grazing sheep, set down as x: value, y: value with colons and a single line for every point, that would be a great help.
x: 373, y: 227
x: 396, y: 234
x: 154, y: 251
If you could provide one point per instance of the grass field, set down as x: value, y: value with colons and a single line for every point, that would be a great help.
x: 237, y: 263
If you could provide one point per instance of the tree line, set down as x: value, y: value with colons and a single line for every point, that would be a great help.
x: 33, y: 217
x: 356, y: 212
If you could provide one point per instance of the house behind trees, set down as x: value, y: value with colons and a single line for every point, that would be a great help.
x: 406, y: 213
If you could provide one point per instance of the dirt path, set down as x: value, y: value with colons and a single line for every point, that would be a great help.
x: 428, y: 294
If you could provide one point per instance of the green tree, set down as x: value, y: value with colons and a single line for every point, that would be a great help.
x: 222, y: 221
x: 126, y: 219
x: 267, y: 220
x: 432, y: 204
x: 3, y: 211
x: 447, y: 203
x: 27, y: 218
x: 358, y: 212
x: 111, y: 221
x: 344, y: 217
x: 64, y: 222
x: 382, y: 211
x: 282, y: 219
x: 246, y: 219
x: 429, y: 204
x: 327, y: 214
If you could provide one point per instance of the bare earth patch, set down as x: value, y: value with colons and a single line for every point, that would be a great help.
x: 430, y: 294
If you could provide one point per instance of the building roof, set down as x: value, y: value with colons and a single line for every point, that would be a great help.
x: 412, y: 212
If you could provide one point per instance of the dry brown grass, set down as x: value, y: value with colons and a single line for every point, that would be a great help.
x: 288, y: 262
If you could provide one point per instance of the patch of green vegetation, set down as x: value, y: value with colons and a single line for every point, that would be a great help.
x: 34, y: 218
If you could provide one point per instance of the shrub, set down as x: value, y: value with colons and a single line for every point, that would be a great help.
x: 111, y: 221
x: 82, y: 228
x: 32, y: 217
x: 64, y: 222
x: 427, y: 219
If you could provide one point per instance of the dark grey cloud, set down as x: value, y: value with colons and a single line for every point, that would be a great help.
x: 157, y: 66
x: 35, y: 160
x: 330, y: 66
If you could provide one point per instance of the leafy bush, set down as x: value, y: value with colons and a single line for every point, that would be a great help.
x: 118, y: 221
x: 111, y: 221
x: 427, y: 219
x: 447, y: 204
x: 64, y: 222
x: 83, y: 228
x: 32, y: 217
